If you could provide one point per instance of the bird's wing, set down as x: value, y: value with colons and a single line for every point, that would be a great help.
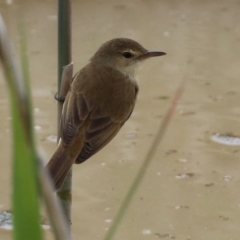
x: 99, y: 133
x: 100, y: 129
x: 74, y: 114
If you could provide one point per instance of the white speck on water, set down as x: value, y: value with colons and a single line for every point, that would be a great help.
x: 227, y: 178
x: 36, y: 110
x: 108, y: 220
x: 227, y: 139
x: 6, y: 221
x: 46, y: 227
x: 103, y: 164
x: 181, y: 176
x: 146, y: 231
x: 6, y: 227
x: 37, y: 127
x: 52, y: 138
x: 183, y: 160
x: 107, y: 209
x: 184, y: 175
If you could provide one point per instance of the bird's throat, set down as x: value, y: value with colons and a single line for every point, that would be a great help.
x: 128, y: 71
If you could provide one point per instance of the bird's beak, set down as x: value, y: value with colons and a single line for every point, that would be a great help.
x: 149, y: 54
x: 154, y: 53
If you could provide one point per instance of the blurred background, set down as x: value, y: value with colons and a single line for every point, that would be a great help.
x: 191, y: 190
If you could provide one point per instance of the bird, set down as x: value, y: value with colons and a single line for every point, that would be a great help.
x: 100, y: 100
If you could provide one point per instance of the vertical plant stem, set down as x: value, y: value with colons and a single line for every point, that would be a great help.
x: 64, y: 58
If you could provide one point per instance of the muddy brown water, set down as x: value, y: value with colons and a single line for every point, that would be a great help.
x: 191, y: 189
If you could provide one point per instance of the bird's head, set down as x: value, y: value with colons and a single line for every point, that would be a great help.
x: 123, y: 54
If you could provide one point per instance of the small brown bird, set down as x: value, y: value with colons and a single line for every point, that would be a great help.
x: 101, y: 99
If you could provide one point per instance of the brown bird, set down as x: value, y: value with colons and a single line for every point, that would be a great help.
x: 101, y: 99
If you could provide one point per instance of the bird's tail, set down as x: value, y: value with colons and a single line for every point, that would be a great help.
x: 59, y: 165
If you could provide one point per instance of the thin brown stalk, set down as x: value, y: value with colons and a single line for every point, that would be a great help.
x: 141, y: 173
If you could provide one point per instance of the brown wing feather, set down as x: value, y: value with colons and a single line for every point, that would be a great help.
x: 75, y: 113
x: 96, y: 140
x: 100, y: 129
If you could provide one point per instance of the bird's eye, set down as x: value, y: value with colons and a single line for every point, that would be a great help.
x: 127, y: 54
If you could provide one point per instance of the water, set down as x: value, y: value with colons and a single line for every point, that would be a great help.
x: 191, y: 188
